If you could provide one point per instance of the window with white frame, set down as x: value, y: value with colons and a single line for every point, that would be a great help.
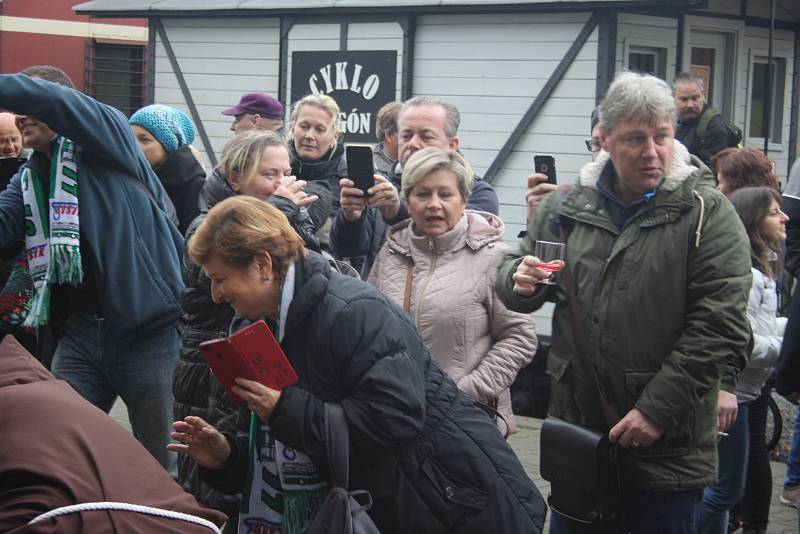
x: 648, y: 60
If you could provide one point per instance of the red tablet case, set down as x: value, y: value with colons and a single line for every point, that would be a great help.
x: 251, y: 353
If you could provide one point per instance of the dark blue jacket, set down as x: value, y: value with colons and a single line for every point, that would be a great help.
x: 134, y: 248
x: 363, y: 238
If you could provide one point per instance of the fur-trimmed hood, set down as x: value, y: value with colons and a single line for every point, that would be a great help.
x: 683, y: 165
x: 475, y: 229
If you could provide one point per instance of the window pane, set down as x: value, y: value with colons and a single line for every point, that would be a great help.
x: 757, y: 100
x: 115, y: 75
x: 758, y: 91
x: 643, y: 63
x: 648, y: 59
x: 702, y: 65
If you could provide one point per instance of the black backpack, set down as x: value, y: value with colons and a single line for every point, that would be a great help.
x: 735, y: 135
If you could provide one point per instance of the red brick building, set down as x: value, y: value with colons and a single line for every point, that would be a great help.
x: 104, y: 57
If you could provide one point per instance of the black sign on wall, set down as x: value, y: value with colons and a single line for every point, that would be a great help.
x: 361, y: 82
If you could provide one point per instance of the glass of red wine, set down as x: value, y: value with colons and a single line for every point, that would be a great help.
x: 549, y: 253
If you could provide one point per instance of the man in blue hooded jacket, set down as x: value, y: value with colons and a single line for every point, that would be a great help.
x: 101, y: 250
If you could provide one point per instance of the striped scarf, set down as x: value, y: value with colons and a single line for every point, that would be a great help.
x: 284, y: 488
x: 52, y: 235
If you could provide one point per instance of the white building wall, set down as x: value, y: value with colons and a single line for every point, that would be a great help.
x: 647, y: 31
x: 221, y: 59
x: 492, y: 67
x: 379, y: 36
x: 309, y: 38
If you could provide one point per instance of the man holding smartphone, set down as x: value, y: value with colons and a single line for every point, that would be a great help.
x: 359, y: 227
x: 538, y: 186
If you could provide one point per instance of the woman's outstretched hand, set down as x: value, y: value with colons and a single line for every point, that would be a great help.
x: 201, y: 441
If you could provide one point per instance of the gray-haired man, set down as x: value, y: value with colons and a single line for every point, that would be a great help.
x: 359, y: 227
x: 661, y: 271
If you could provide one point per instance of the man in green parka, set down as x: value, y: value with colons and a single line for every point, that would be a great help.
x: 661, y: 266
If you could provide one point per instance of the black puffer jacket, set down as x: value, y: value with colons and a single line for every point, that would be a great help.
x: 432, y: 461
x: 329, y: 169
x: 196, y: 390
x: 182, y: 177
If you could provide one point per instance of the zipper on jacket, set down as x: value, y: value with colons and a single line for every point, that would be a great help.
x: 421, y: 293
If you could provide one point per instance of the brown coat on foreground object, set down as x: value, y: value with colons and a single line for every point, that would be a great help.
x: 57, y: 450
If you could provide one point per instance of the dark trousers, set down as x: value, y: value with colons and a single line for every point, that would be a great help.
x: 644, y: 512
x: 758, y: 492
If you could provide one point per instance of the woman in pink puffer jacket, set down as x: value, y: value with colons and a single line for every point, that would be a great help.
x: 440, y: 266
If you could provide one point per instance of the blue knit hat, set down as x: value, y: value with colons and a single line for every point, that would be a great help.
x: 172, y: 127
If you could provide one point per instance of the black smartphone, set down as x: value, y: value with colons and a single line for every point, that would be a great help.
x: 8, y: 168
x: 547, y: 166
x: 359, y: 166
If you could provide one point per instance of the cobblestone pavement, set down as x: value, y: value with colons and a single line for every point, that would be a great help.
x: 525, y: 442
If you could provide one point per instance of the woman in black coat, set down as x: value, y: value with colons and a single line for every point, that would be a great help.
x: 165, y: 135
x: 431, y: 460
x: 317, y: 155
x: 195, y: 390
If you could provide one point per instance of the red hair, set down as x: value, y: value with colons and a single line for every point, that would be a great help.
x: 745, y: 167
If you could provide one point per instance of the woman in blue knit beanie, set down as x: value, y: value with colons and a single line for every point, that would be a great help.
x: 165, y: 135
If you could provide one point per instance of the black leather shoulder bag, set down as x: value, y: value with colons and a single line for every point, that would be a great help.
x: 580, y: 463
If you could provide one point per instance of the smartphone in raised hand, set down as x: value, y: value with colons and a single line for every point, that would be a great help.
x: 546, y: 165
x: 359, y: 166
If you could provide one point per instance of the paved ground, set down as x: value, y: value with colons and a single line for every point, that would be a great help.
x: 525, y: 442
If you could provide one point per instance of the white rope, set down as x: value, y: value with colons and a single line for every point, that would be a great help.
x: 125, y: 507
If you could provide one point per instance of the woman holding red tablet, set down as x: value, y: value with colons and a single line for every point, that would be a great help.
x: 430, y: 459
x: 254, y: 164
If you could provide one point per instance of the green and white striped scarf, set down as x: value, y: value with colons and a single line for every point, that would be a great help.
x: 284, y: 488
x: 52, y: 231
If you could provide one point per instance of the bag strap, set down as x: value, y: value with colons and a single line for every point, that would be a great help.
x: 169, y: 207
x: 337, y: 445
x: 581, y: 345
x: 705, y: 118
x: 491, y: 411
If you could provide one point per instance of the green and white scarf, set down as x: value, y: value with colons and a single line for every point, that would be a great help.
x: 52, y: 231
x: 284, y: 488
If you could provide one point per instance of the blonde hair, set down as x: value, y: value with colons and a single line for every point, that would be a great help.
x: 323, y: 102
x: 240, y: 227
x: 242, y: 154
x: 429, y: 160
x: 199, y: 157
